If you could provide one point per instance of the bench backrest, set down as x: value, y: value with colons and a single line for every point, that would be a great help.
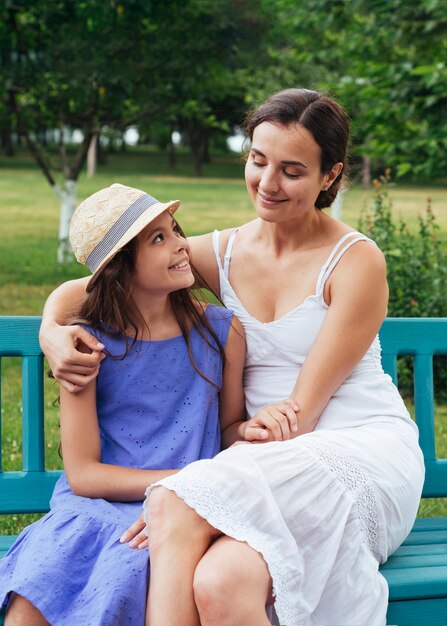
x: 421, y: 338
x: 29, y: 490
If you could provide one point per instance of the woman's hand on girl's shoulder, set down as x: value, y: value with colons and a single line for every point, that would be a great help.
x: 74, y: 355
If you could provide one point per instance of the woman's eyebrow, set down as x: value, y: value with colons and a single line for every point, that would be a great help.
x: 298, y: 163
x: 294, y: 163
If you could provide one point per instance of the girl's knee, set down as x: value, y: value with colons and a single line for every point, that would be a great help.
x: 21, y: 612
x: 170, y: 519
x: 161, y: 513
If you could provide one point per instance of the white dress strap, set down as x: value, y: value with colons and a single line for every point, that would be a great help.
x: 227, y: 257
x: 216, y: 248
x: 337, y: 252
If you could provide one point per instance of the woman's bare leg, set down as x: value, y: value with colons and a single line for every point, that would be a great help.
x: 22, y: 613
x: 178, y: 538
x: 232, y: 585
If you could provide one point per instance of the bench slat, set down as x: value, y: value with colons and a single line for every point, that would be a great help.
x: 420, y: 560
x: 6, y: 542
x: 426, y: 612
x: 417, y: 582
x: 408, y: 335
x: 27, y: 492
x: 428, y: 523
x: 19, y: 335
x: 426, y: 537
x: 415, y: 549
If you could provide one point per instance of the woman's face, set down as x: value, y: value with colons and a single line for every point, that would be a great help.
x: 283, y: 172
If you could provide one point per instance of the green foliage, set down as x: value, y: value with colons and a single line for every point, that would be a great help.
x: 416, y: 268
x: 384, y: 59
x: 95, y: 65
x: 416, y: 261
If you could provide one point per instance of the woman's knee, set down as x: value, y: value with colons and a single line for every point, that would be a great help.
x: 212, y: 589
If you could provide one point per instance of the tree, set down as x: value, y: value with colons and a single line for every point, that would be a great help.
x: 202, y: 47
x: 384, y: 59
x: 74, y: 65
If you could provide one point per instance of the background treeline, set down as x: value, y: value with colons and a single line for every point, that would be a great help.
x: 196, y: 65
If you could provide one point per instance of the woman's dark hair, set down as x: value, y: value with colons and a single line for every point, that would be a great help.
x: 110, y: 307
x: 320, y: 115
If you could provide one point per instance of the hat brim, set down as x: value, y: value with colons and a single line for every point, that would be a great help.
x: 148, y: 216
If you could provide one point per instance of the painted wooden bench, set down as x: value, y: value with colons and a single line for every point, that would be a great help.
x: 416, y: 573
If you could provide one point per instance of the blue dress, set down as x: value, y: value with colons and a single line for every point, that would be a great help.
x: 154, y: 412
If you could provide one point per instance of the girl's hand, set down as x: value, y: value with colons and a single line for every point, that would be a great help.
x: 275, y: 422
x: 136, y: 535
x: 73, y: 353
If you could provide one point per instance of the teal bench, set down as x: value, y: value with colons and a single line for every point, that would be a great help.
x: 29, y: 490
x: 416, y: 572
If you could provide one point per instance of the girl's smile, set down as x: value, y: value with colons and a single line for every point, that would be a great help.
x: 182, y: 266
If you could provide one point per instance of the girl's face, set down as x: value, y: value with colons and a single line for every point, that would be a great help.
x: 283, y: 173
x: 162, y: 261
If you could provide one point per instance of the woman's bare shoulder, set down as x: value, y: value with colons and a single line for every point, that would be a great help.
x: 203, y: 257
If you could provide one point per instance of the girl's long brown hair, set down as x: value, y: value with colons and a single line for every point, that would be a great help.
x: 111, y: 308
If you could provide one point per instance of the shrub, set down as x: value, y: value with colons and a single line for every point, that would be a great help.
x: 416, y: 267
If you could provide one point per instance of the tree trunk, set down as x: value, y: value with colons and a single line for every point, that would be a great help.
x: 172, y: 151
x: 366, y: 172
x: 67, y: 195
x: 206, y: 157
x: 6, y: 141
x: 172, y: 155
x: 195, y: 139
x: 92, y: 156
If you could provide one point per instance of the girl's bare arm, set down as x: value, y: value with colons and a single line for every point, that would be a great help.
x: 81, y: 451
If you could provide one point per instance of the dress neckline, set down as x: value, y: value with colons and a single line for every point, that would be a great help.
x: 319, y: 286
x: 279, y: 319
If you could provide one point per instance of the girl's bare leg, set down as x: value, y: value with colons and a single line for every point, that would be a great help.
x: 22, y: 613
x: 178, y: 538
x: 232, y: 585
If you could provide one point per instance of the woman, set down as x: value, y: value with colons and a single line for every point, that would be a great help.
x: 303, y: 520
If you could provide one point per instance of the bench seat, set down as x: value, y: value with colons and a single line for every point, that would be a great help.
x: 416, y: 573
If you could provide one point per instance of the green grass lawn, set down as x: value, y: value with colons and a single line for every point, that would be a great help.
x: 28, y: 269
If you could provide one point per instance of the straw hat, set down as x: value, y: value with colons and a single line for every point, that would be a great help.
x: 104, y: 222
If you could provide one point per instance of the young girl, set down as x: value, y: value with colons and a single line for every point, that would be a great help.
x: 172, y: 364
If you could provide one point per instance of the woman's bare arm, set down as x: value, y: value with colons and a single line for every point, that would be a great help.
x: 231, y: 397
x: 72, y: 368
x: 358, y: 305
x: 358, y: 296
x: 203, y: 259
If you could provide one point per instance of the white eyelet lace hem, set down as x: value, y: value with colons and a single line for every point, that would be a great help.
x: 202, y: 498
x: 366, y: 502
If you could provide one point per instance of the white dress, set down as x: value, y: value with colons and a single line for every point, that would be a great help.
x: 326, y: 508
